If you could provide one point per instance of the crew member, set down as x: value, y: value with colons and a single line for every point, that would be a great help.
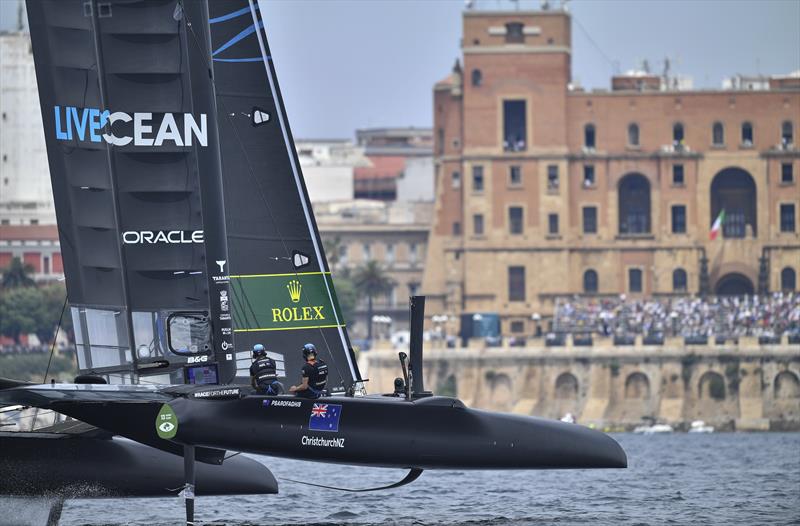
x: 263, y: 372
x: 314, y: 375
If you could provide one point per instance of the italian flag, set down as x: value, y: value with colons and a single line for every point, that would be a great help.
x: 716, y: 228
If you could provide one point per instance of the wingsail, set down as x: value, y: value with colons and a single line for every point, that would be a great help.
x: 186, y: 228
x: 282, y: 291
x: 127, y: 138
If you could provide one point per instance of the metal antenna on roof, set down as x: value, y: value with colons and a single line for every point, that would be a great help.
x: 20, y: 15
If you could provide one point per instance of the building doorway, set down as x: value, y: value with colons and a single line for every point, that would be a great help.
x: 734, y: 284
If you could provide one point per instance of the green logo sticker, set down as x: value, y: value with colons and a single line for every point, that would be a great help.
x: 166, y: 422
x: 278, y: 302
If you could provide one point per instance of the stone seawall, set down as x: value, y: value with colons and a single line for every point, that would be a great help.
x: 738, y: 387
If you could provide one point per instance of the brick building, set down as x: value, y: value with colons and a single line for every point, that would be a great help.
x: 545, y: 190
x: 34, y: 245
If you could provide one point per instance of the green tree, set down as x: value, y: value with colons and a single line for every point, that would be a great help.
x: 16, y: 275
x: 371, y: 280
x: 20, y: 309
x: 332, y: 246
x: 36, y: 310
x: 348, y: 297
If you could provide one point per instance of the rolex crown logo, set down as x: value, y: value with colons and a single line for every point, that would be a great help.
x: 294, y: 287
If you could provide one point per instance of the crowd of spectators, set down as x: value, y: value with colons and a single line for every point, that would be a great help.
x: 722, y: 317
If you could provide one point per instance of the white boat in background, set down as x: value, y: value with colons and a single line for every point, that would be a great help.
x: 655, y: 428
x: 568, y: 418
x: 699, y: 426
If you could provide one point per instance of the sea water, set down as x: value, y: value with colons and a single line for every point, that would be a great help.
x: 723, y: 478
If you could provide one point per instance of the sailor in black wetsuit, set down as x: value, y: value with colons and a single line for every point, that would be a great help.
x: 314, y: 373
x: 263, y: 372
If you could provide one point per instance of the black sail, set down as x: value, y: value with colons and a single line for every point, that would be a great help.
x: 282, y: 291
x: 131, y: 140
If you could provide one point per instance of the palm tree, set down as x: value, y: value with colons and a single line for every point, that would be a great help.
x: 17, y: 275
x: 371, y: 280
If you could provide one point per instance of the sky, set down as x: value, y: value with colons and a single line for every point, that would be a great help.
x: 349, y: 64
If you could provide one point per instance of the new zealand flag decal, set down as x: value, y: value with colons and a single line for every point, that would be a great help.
x: 324, y: 417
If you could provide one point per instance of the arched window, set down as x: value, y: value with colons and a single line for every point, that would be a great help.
x: 788, y: 279
x: 734, y: 191
x: 590, y: 282
x: 633, y: 134
x: 677, y: 134
x: 679, y: 280
x: 634, y: 204
x: 477, y: 77
x: 747, y: 134
x: 718, y: 134
x: 787, y: 133
x: 589, y: 136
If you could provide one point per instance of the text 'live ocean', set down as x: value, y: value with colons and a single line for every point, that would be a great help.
x: 88, y: 124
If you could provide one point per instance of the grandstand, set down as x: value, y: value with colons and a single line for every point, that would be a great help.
x: 723, y: 318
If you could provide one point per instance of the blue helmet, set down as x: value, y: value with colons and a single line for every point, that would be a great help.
x: 309, y: 349
x: 259, y: 350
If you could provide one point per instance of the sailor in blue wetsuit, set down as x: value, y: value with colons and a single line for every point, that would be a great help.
x: 314, y: 375
x: 263, y: 372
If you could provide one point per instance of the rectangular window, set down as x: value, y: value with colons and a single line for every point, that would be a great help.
x: 787, y: 218
x: 634, y: 280
x: 412, y: 252
x: 787, y: 172
x: 514, y: 126
x: 477, y: 224
x: 679, y: 219
x: 477, y: 178
x: 515, y: 219
x: 589, y: 220
x: 440, y: 140
x: 516, y: 283
x: 390, y: 253
x: 515, y: 176
x: 552, y: 223
x: 677, y: 175
x: 514, y: 33
x: 552, y: 177
x: 588, y: 176
x: 456, y: 180
x: 366, y: 249
x: 456, y: 228
x: 343, y: 253
x: 517, y: 326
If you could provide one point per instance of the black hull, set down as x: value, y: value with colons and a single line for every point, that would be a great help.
x: 430, y: 433
x: 62, y: 466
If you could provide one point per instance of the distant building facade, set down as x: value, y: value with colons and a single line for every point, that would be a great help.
x: 34, y: 245
x: 328, y: 166
x: 399, y: 164
x: 393, y: 234
x: 25, y: 194
x: 543, y: 190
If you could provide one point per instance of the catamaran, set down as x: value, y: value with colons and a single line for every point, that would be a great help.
x: 187, y: 237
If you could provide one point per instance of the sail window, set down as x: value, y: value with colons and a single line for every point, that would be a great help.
x: 189, y: 333
x: 101, y: 338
